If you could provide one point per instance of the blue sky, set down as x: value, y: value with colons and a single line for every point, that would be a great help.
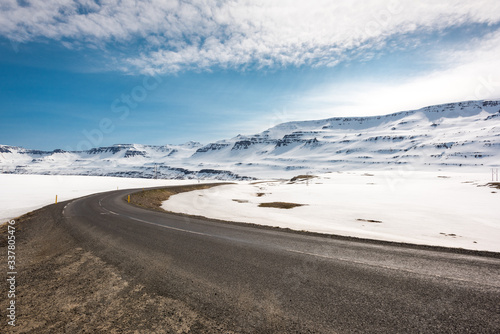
x: 78, y: 74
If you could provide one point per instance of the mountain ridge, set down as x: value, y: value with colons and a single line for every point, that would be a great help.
x: 463, y: 134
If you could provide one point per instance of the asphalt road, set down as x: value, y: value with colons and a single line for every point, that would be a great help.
x: 256, y: 280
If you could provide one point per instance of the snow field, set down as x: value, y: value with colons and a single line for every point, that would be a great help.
x: 434, y: 208
x: 20, y: 194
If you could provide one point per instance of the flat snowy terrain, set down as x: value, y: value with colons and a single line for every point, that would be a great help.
x: 435, y: 208
x: 20, y: 194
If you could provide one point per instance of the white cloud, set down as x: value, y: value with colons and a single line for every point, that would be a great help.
x: 472, y: 73
x: 236, y: 33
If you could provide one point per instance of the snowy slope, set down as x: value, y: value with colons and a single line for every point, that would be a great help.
x: 122, y: 160
x: 463, y: 135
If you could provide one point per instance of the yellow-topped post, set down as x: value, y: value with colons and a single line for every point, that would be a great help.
x: 128, y: 199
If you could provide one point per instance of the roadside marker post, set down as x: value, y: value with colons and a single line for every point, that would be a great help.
x: 56, y: 199
x: 494, y: 174
x: 128, y: 199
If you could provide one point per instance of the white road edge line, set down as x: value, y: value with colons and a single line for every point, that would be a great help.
x: 389, y: 267
x: 64, y: 209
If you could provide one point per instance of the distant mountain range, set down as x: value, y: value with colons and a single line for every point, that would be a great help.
x: 462, y: 135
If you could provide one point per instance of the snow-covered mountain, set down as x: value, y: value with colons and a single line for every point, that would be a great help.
x: 126, y: 160
x: 457, y: 135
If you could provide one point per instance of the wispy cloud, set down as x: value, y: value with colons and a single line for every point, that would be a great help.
x: 200, y: 34
x: 470, y: 71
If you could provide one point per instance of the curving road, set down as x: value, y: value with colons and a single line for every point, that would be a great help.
x: 256, y: 280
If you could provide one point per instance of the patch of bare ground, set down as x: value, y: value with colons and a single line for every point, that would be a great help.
x: 299, y: 178
x: 62, y: 288
x: 153, y: 199
x: 369, y: 221
x: 280, y: 205
x: 494, y: 185
x: 453, y: 235
x: 240, y: 200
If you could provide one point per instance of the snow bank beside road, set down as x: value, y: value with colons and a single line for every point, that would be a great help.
x: 20, y: 194
x: 442, y: 209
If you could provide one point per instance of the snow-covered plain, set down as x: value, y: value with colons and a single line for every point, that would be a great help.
x: 20, y: 194
x: 436, y: 208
